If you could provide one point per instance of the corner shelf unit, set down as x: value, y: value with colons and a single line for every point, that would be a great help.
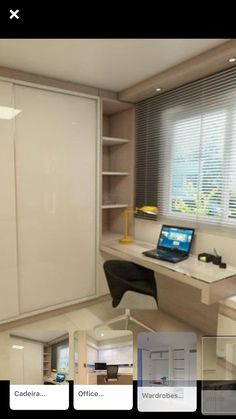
x: 47, y: 360
x: 179, y: 364
x: 117, y: 142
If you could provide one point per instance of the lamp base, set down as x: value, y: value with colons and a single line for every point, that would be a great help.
x: 126, y: 240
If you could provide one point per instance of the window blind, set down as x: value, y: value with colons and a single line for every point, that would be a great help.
x: 186, y: 151
x: 60, y: 356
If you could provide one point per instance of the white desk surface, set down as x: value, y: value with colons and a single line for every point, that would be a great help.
x: 190, y: 271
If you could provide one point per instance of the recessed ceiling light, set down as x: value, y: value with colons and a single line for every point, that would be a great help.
x: 232, y: 60
x: 102, y: 334
x: 17, y: 347
x: 158, y: 89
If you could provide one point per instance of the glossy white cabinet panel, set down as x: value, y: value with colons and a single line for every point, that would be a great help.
x: 16, y: 360
x: 56, y: 197
x: 26, y: 361
x: 8, y: 259
x: 33, y: 362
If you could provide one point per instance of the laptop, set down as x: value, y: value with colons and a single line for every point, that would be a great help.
x: 174, y: 244
x: 59, y: 378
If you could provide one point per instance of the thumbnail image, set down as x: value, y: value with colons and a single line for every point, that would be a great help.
x: 219, y: 375
x: 219, y: 359
x: 166, y: 359
x: 103, y: 357
x: 39, y: 357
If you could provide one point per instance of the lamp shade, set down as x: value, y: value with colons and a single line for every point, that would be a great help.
x: 148, y: 210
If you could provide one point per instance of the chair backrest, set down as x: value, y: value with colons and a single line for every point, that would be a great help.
x: 112, y: 371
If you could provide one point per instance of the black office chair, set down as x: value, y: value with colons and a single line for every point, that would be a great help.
x: 125, y: 276
x: 112, y: 373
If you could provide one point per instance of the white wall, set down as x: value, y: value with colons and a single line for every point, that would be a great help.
x: 119, y: 355
x: 204, y: 241
x: 92, y: 355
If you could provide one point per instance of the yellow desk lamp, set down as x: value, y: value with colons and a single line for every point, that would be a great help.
x: 126, y: 239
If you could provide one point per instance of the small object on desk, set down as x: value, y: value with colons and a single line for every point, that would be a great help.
x: 215, y: 252
x: 205, y: 257
x: 223, y: 265
x: 216, y: 260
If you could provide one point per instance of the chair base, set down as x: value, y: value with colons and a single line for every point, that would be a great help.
x: 127, y: 318
x: 137, y: 301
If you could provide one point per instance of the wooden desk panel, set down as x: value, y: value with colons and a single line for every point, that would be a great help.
x: 94, y: 378
x: 122, y: 379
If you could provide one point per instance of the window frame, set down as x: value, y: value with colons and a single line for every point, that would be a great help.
x: 167, y: 210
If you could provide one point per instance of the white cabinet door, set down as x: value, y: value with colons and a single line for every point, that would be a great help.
x: 26, y: 362
x: 56, y: 197
x: 33, y: 362
x: 8, y: 260
x: 16, y: 361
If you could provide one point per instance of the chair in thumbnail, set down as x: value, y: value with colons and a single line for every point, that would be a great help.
x: 112, y: 373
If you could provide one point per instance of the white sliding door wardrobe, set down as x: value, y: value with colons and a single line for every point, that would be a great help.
x: 51, y: 172
x: 26, y: 361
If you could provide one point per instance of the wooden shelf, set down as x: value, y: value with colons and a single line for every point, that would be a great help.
x: 112, y: 106
x: 115, y: 173
x: 47, y: 358
x: 110, y: 141
x: 117, y: 140
x: 110, y: 206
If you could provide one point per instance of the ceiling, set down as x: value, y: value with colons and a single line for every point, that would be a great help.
x: 113, y: 64
x: 107, y: 334
x: 41, y: 336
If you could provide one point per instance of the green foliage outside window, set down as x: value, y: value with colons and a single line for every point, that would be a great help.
x: 200, y: 201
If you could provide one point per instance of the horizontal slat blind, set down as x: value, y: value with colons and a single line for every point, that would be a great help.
x: 146, y: 158
x: 186, y: 151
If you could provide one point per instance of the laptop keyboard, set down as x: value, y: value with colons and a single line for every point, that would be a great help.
x: 162, y: 255
x: 166, y: 256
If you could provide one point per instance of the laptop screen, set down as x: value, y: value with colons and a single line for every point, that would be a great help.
x: 175, y: 238
x: 60, y: 378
